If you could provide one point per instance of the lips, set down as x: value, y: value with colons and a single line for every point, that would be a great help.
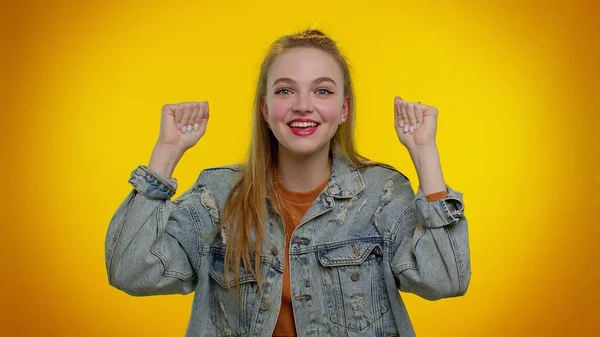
x: 303, y: 127
x: 303, y: 123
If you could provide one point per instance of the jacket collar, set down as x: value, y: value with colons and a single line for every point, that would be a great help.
x: 346, y: 180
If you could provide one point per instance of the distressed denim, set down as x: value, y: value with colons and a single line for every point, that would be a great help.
x: 365, y: 237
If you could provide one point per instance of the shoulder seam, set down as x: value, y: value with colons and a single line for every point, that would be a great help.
x: 234, y: 167
x: 229, y: 170
x: 393, y: 169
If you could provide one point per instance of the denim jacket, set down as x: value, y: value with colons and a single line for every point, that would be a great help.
x: 366, y: 236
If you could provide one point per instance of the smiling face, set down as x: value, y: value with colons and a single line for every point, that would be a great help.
x: 305, y: 100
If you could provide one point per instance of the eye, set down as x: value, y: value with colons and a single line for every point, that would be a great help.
x: 283, y: 91
x: 324, y: 92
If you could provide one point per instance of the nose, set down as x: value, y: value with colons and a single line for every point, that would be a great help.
x: 302, y: 103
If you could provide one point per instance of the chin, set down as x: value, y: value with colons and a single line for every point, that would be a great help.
x: 304, y: 147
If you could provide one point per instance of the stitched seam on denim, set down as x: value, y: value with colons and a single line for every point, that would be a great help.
x: 398, y: 223
x: 391, y: 168
x: 357, y: 261
x: 163, y: 258
x: 224, y: 283
x: 334, y: 245
x: 115, y: 240
x: 457, y: 258
x: 159, y: 219
x: 181, y: 276
x: 401, y: 268
x: 156, y: 252
x: 352, y: 168
x: 224, y: 332
x: 183, y: 197
x: 388, y: 240
x: 231, y: 168
x: 449, y: 217
x: 207, y: 250
x: 147, y: 170
x: 370, y: 322
x: 137, y: 188
x: 198, y: 224
x: 388, y: 237
x: 314, y: 216
x: 387, y: 247
x: 171, y: 273
x: 416, y: 241
x: 146, y: 185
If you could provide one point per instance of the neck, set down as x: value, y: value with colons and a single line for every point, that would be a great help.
x: 303, y: 173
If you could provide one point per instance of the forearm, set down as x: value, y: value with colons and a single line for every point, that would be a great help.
x: 164, y: 159
x: 429, y: 169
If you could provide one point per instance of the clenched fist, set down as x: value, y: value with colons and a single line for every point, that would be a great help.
x: 183, y: 124
x: 415, y: 124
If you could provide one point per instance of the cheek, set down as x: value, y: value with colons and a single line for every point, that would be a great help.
x: 278, y: 109
x: 330, y: 110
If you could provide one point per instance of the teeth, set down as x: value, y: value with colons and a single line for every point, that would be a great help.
x: 303, y: 124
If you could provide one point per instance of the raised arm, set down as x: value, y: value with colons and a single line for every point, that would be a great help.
x: 431, y: 254
x: 152, y: 242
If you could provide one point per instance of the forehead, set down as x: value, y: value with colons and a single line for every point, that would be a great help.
x: 304, y: 64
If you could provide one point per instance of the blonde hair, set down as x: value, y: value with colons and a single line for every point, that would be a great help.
x: 245, y: 206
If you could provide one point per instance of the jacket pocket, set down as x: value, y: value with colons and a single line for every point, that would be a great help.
x: 232, y: 308
x: 354, y: 285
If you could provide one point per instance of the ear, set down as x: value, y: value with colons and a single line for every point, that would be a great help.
x: 264, y: 110
x: 345, y: 109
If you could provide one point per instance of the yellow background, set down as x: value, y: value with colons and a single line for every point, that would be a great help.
x: 517, y: 85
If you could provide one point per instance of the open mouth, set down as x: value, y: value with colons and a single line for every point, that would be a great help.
x: 303, y: 128
x: 303, y: 125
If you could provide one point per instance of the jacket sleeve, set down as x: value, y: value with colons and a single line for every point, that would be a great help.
x: 152, y: 243
x: 430, y: 253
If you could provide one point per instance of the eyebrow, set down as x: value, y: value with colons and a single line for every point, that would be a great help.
x: 316, y: 81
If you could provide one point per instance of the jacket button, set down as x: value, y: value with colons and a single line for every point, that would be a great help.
x: 274, y: 250
x: 264, y: 305
x: 355, y: 277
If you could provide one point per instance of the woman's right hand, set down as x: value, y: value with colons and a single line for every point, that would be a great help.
x: 183, y: 124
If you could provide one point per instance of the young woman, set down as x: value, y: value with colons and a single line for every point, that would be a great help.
x: 307, y: 238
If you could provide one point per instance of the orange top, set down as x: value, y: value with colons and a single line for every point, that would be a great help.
x: 293, y: 206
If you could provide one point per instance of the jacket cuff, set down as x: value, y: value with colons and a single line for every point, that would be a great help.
x: 151, y: 184
x: 439, y: 213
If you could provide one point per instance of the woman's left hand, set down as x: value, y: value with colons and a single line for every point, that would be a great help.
x: 415, y: 123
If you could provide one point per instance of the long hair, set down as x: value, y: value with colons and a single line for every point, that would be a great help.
x: 244, y: 211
